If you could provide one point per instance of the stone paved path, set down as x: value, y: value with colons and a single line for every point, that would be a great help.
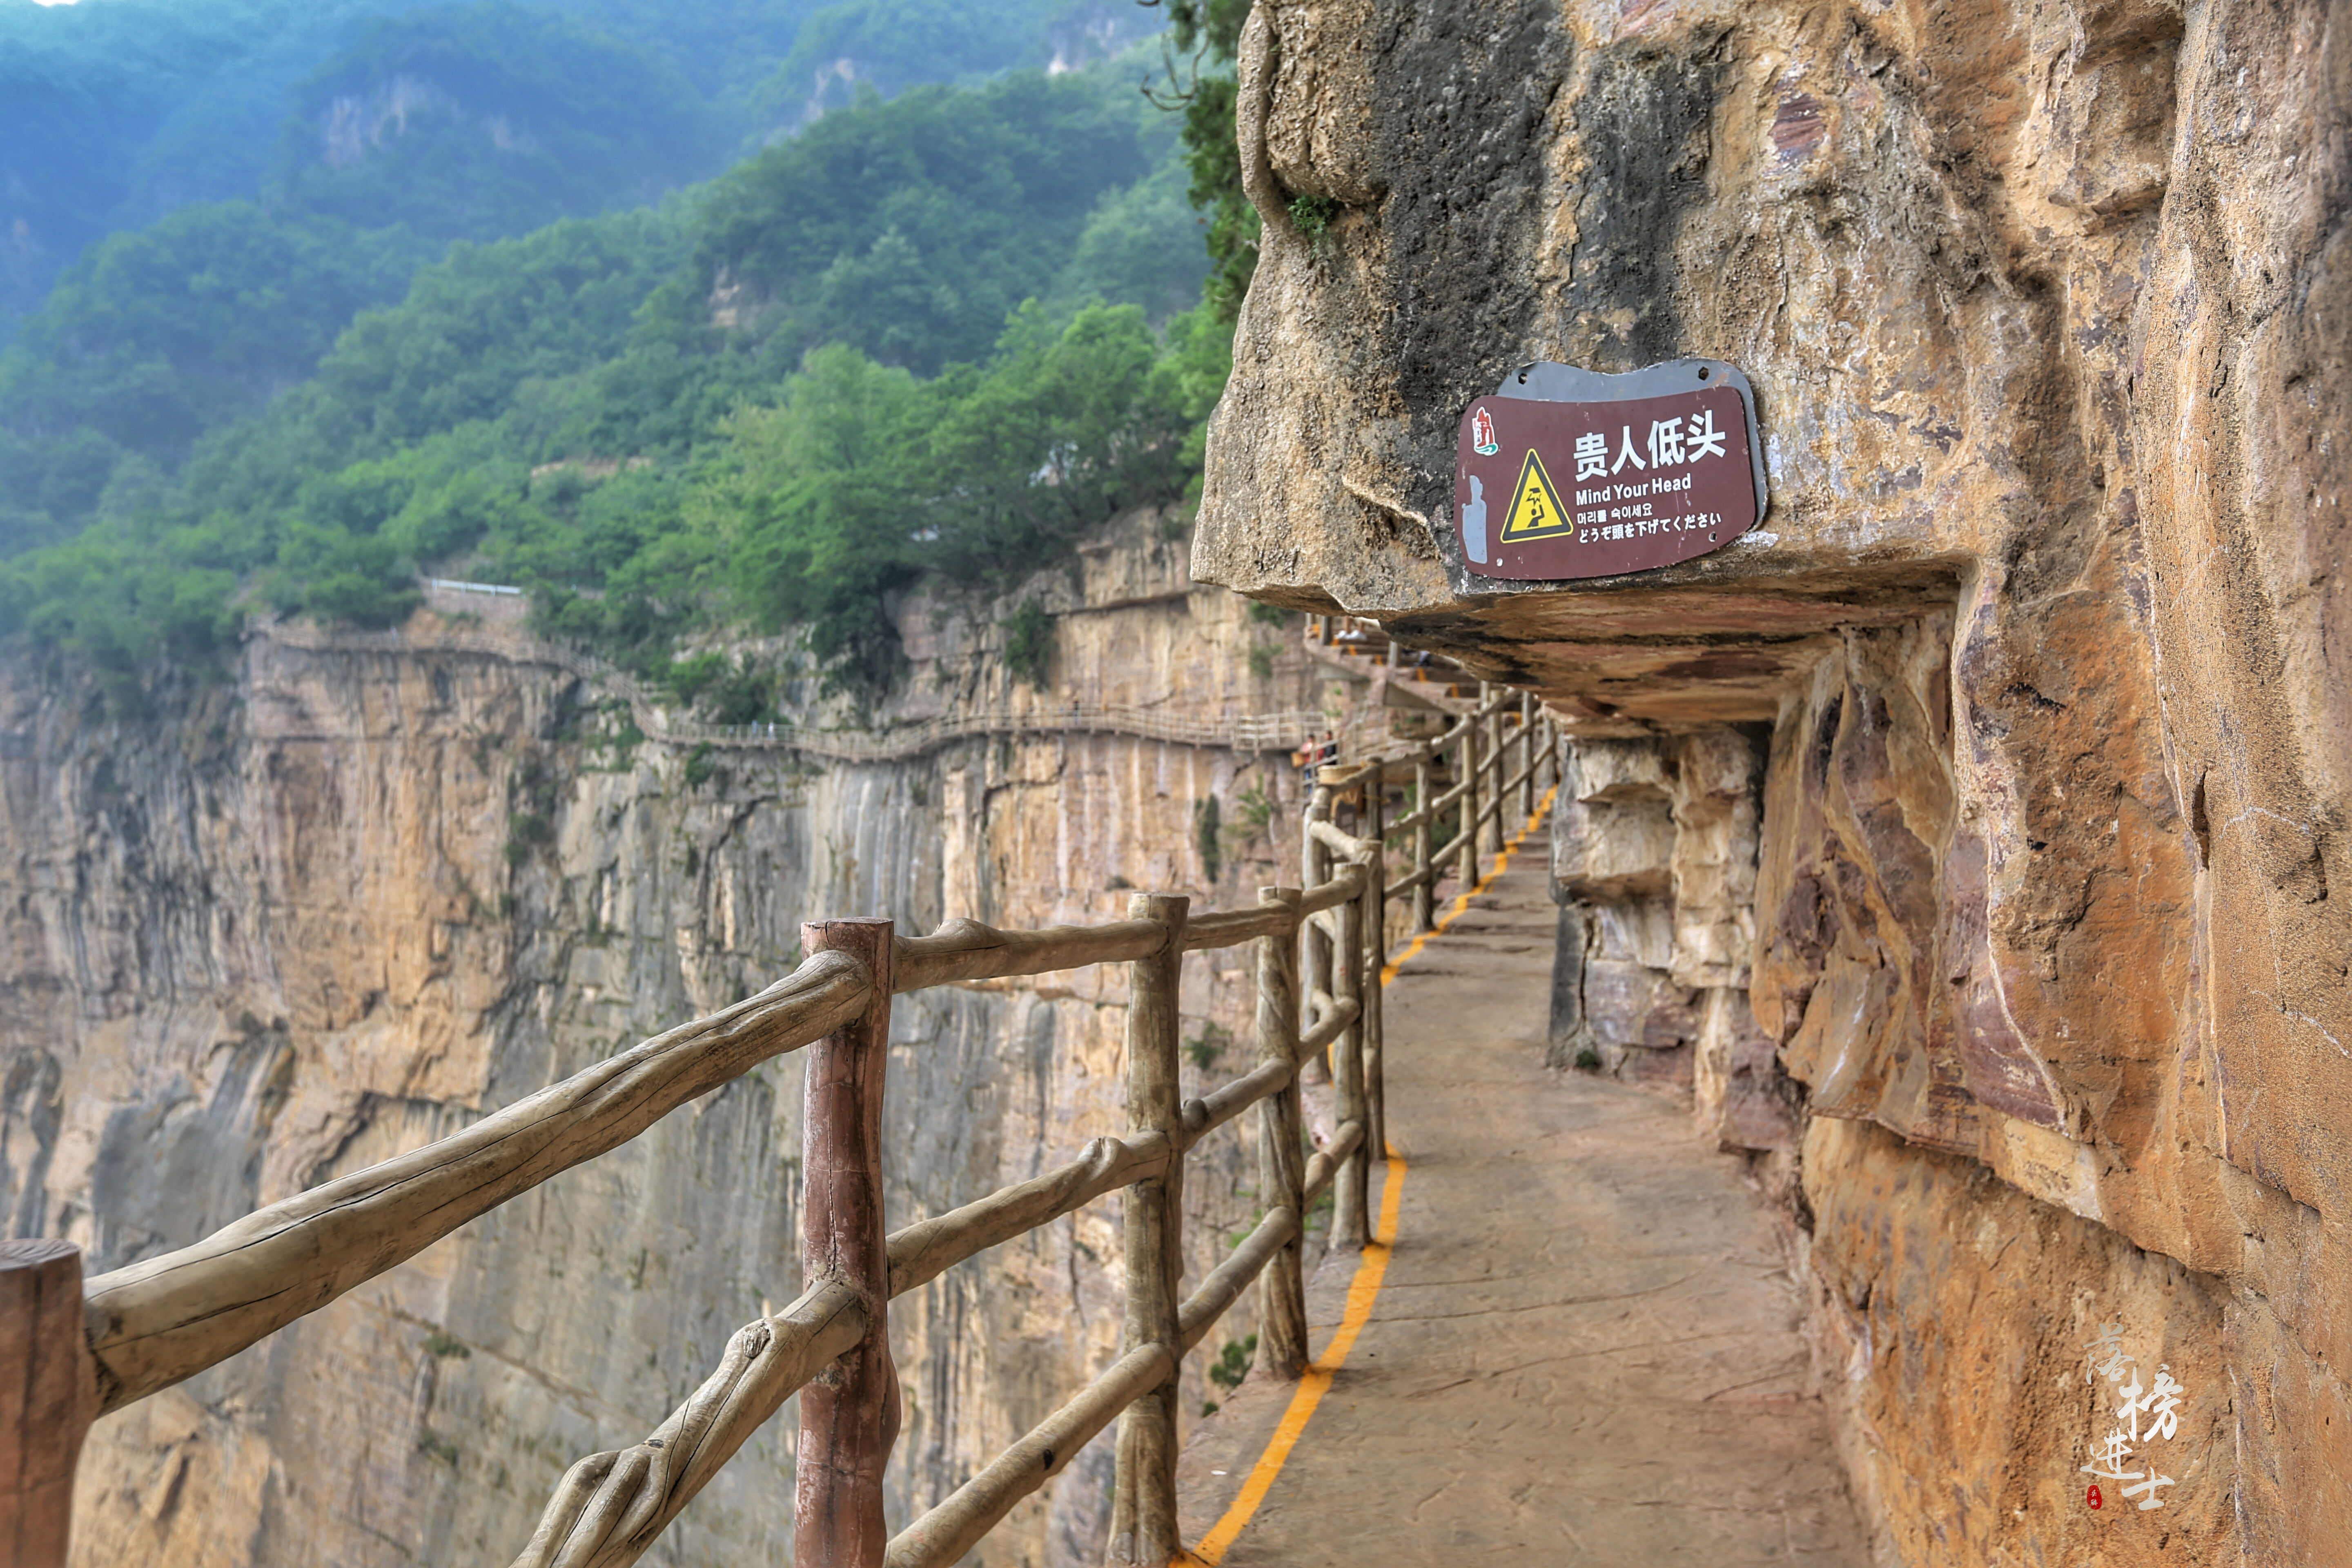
x: 1587, y: 1345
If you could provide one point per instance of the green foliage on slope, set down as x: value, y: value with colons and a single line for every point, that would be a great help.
x: 486, y: 120
x: 911, y: 231
x: 668, y: 417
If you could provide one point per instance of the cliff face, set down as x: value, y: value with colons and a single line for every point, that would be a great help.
x: 2044, y: 308
x: 380, y: 886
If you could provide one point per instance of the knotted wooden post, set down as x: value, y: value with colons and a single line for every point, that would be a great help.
x: 1372, y: 928
x: 49, y: 1395
x: 1528, y: 757
x: 1350, y: 1224
x: 1373, y: 826
x: 1423, y: 898
x: 1143, y: 1505
x: 1490, y: 830
x: 1467, y: 871
x: 849, y: 1413
x: 1281, y: 1156
x: 1314, y: 951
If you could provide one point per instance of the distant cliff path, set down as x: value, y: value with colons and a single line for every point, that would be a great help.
x: 1585, y: 1344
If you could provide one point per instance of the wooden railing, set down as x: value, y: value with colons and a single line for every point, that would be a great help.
x: 70, y: 1350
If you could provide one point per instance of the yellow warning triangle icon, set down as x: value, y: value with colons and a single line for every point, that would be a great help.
x: 1536, y: 511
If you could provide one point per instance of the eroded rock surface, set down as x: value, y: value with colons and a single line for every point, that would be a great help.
x: 2045, y: 307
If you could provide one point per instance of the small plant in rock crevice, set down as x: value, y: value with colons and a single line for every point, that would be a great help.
x: 1232, y: 1365
x: 1208, y: 837
x: 1253, y: 814
x: 1311, y: 216
x: 1208, y: 1047
x: 1029, y: 643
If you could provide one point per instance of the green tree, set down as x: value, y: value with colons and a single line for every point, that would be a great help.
x: 1207, y: 33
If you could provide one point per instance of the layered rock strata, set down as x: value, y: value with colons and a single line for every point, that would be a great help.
x: 374, y: 888
x: 2044, y: 310
x: 1653, y: 863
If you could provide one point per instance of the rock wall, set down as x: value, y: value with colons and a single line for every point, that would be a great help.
x: 1653, y: 863
x: 377, y: 887
x: 2044, y: 306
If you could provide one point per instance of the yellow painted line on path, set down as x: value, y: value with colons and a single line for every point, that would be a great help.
x: 1363, y: 1290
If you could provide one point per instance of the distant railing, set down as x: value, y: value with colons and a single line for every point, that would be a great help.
x: 70, y: 1350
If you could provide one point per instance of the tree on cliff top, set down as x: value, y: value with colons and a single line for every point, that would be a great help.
x: 1207, y: 33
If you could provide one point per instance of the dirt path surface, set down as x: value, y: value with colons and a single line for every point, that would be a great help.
x: 1586, y: 1345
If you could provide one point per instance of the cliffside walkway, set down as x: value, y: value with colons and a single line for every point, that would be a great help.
x: 1235, y: 731
x: 1581, y: 1346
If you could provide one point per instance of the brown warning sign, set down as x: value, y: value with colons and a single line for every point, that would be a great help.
x: 1569, y: 473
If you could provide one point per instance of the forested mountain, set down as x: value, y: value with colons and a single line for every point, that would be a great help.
x: 115, y: 113
x: 942, y: 331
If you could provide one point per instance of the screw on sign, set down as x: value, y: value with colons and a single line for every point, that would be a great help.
x: 1660, y: 465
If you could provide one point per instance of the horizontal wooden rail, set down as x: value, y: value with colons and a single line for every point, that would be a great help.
x: 1341, y: 841
x: 923, y: 1251
x: 1427, y: 874
x: 610, y: 1508
x: 1323, y: 1167
x: 1230, y: 928
x: 1410, y: 820
x: 957, y: 1523
x: 1446, y: 799
x: 157, y: 1323
x: 1344, y: 887
x: 1228, y: 1280
x: 966, y: 949
x: 1213, y: 1111
x: 1332, y: 1021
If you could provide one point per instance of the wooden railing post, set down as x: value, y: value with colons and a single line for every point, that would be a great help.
x: 1376, y: 805
x: 849, y: 1413
x: 1527, y: 754
x: 48, y: 1396
x: 1423, y: 898
x: 1143, y: 1503
x: 1376, y: 946
x: 1371, y: 952
x: 1350, y: 1223
x: 1314, y: 861
x: 1467, y: 871
x: 1490, y: 832
x: 1281, y: 1157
